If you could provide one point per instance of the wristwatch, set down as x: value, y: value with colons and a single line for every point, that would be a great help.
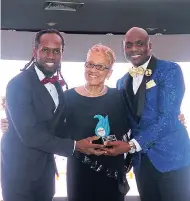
x: 132, y: 147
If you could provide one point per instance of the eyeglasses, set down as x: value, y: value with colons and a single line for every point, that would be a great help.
x: 97, y: 66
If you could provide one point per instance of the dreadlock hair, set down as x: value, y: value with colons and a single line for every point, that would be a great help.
x: 60, y: 74
x: 36, y: 44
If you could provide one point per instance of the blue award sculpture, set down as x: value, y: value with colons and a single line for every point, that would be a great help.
x: 103, y: 129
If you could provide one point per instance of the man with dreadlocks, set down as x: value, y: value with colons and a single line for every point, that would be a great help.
x: 34, y: 104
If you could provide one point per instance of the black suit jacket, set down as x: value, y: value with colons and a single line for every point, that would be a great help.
x: 30, y: 142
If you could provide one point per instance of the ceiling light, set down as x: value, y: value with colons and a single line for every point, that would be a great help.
x: 51, y: 24
x: 64, y: 6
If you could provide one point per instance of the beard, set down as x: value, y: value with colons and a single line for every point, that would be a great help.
x: 48, y: 72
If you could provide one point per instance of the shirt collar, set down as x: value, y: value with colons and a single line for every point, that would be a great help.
x: 145, y: 65
x: 39, y: 73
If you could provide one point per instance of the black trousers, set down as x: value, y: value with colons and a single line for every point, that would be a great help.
x: 156, y: 186
x: 17, y: 189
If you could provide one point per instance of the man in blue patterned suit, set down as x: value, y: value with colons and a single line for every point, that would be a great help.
x: 153, y: 91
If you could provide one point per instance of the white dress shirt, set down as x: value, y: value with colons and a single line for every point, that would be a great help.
x: 136, y: 84
x: 50, y: 87
x: 52, y: 91
x: 138, y: 79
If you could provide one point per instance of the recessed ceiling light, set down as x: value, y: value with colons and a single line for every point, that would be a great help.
x: 51, y: 24
x: 64, y: 6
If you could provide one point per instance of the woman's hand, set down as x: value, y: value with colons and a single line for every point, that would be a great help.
x: 181, y: 118
x: 4, y: 125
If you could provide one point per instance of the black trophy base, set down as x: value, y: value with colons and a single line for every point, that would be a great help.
x: 108, y: 138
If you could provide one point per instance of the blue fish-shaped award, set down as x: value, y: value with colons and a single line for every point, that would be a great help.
x: 102, y: 128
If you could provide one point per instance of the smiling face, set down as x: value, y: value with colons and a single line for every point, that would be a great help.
x: 137, y: 46
x: 98, y: 67
x: 48, y: 54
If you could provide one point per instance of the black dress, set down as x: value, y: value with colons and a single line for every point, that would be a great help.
x: 94, y: 178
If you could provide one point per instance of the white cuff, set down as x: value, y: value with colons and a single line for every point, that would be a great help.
x: 74, y: 146
x: 137, y: 145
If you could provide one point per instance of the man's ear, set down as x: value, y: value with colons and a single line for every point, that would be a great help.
x: 150, y: 46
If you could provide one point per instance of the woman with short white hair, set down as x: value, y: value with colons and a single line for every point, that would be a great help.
x: 94, y: 108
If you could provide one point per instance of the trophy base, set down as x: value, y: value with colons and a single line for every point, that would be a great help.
x: 108, y: 138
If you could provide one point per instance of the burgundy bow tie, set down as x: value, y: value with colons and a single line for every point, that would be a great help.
x: 52, y: 80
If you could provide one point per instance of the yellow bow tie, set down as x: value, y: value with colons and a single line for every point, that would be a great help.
x: 135, y: 71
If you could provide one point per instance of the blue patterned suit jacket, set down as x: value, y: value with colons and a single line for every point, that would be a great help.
x: 159, y: 132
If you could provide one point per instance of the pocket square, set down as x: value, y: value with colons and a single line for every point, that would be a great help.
x: 150, y: 84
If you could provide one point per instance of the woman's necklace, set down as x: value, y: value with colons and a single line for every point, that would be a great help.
x: 93, y: 93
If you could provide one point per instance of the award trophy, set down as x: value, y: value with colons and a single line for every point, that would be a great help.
x: 103, y: 130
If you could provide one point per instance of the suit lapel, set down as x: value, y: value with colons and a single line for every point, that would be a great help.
x: 61, y: 107
x: 41, y: 92
x: 142, y: 89
x: 60, y: 92
x: 126, y: 96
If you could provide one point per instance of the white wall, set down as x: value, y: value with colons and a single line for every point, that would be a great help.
x: 18, y: 46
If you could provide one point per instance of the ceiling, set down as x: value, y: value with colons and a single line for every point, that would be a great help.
x: 99, y: 16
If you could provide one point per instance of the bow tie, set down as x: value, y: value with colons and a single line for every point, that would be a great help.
x: 135, y: 71
x: 52, y: 80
